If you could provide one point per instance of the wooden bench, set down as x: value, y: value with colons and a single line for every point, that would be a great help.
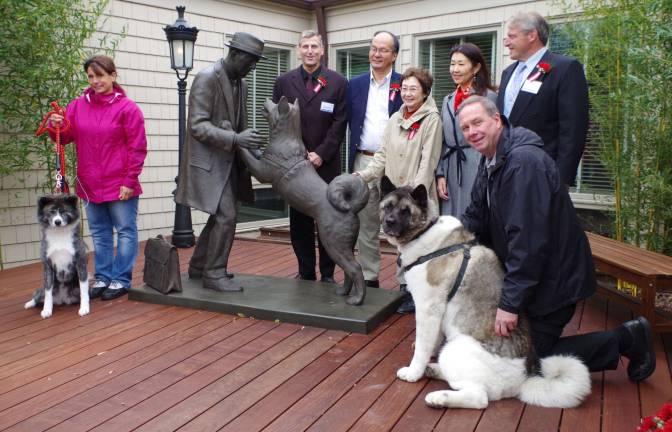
x: 650, y: 271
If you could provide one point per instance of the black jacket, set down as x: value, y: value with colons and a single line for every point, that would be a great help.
x: 532, y: 226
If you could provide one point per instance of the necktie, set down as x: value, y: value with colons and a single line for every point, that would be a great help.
x: 513, y: 88
x: 309, y: 85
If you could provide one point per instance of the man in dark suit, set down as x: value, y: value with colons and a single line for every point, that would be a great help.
x: 545, y: 92
x: 212, y: 177
x: 372, y: 98
x: 322, y: 97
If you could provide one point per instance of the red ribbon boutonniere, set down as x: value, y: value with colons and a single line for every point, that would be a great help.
x: 321, y: 82
x: 414, y: 128
x: 395, y: 88
x: 542, y: 69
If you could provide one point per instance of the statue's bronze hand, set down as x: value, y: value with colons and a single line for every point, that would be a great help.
x: 250, y: 139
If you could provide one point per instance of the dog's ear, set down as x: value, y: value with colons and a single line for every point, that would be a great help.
x: 44, y: 200
x: 283, y: 106
x: 71, y: 200
x: 386, y: 186
x: 419, y: 194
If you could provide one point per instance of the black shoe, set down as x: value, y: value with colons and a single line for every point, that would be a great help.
x: 327, y: 279
x: 96, y: 288
x: 301, y: 277
x: 641, y: 353
x: 407, y: 306
x: 372, y: 283
x: 112, y: 292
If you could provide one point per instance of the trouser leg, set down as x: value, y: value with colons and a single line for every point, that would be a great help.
x: 197, y: 260
x: 101, y: 228
x: 327, y: 265
x: 220, y: 236
x: 598, y: 350
x: 124, y: 215
x: 368, y: 242
x: 302, y: 234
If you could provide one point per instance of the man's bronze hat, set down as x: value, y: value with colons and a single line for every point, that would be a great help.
x: 247, y: 43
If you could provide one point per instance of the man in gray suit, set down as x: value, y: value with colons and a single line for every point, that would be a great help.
x: 212, y: 176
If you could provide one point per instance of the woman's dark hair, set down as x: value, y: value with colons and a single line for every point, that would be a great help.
x: 100, y: 64
x: 481, y: 81
x: 423, y: 76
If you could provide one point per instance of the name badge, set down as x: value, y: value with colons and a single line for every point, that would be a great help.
x: 327, y: 107
x: 531, y: 86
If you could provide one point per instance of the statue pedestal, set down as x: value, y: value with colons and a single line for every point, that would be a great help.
x: 287, y: 300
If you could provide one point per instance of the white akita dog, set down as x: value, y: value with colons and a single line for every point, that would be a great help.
x: 456, y: 286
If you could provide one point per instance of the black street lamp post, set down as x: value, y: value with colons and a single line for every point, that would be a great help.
x: 181, y: 39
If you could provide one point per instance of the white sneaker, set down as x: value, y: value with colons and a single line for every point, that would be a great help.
x: 95, y: 283
x: 115, y: 285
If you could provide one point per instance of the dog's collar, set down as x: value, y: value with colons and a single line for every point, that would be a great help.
x: 465, y: 247
x: 431, y: 224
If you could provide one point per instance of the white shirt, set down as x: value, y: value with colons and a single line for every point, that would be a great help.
x: 513, y: 86
x: 377, y: 115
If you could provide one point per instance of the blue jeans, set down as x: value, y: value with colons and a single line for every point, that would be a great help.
x: 122, y: 216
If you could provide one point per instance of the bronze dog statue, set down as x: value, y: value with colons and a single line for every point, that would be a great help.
x: 334, y: 207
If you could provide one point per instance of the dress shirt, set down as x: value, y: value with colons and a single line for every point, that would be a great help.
x: 523, y: 70
x: 377, y: 113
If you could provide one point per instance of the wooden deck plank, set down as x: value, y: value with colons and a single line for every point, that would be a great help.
x: 195, y: 395
x: 129, y: 376
x: 361, y: 399
x: 620, y: 405
x: 418, y: 417
x: 284, y: 396
x: 245, y: 397
x: 306, y: 411
x: 588, y: 415
x: 168, y: 398
x: 180, y: 333
x: 72, y: 332
x: 22, y: 374
x: 111, y: 403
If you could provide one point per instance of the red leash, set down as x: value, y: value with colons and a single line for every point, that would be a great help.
x: 61, y: 183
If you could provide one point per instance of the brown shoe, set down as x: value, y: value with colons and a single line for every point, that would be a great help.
x: 221, y: 284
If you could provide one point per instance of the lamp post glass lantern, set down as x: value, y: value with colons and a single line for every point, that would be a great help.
x: 181, y: 39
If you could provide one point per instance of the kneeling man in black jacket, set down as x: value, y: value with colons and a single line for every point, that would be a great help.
x: 521, y: 209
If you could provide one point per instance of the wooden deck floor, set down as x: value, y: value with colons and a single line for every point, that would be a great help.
x: 134, y: 366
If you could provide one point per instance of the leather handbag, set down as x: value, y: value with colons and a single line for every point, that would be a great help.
x: 162, y: 266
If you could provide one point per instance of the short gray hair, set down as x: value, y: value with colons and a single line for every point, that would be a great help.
x: 487, y: 104
x: 528, y: 21
x: 307, y: 34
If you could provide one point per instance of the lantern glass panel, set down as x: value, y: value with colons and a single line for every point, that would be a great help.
x: 178, y: 54
x: 188, y: 54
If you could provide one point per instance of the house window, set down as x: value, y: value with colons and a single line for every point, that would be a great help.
x: 435, y: 56
x: 267, y: 204
x: 351, y: 62
x: 591, y: 177
x: 260, y: 85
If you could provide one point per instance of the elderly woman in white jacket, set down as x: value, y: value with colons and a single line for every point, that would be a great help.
x: 410, y: 145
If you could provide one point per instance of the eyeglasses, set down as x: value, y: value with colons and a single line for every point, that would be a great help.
x: 412, y: 89
x: 379, y: 50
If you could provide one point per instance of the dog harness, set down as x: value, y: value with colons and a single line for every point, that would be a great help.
x: 466, y: 255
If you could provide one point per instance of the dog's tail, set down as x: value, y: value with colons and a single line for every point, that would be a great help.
x: 348, y: 193
x: 564, y: 383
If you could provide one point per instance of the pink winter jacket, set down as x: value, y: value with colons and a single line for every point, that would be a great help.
x: 109, y: 132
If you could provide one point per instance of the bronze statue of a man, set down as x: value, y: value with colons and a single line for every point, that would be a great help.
x: 212, y: 177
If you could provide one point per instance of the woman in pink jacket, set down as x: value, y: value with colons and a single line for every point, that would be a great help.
x: 108, y: 130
